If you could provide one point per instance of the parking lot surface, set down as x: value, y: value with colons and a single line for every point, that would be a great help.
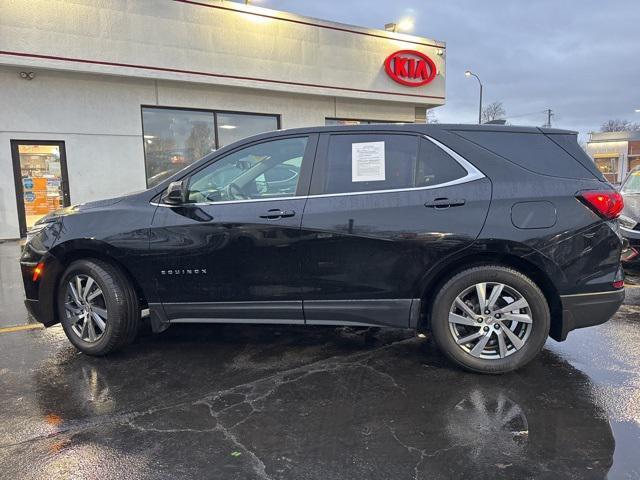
x: 242, y: 402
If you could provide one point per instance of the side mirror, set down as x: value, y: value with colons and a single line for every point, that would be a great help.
x: 175, y: 194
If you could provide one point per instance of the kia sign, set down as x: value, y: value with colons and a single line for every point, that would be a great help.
x: 410, y: 68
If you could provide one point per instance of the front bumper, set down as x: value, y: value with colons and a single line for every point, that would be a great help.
x: 34, y: 307
x: 40, y: 293
x: 631, y: 251
x: 588, y: 309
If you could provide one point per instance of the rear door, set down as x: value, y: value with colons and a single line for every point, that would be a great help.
x: 382, y: 209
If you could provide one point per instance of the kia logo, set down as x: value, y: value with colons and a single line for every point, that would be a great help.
x: 410, y: 68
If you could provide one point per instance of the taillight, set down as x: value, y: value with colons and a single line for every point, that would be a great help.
x: 608, y: 204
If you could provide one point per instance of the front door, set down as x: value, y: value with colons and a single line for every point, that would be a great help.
x: 383, y: 209
x: 40, y: 173
x: 230, y: 252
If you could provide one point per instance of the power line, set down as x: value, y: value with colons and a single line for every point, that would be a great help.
x: 526, y: 114
x: 548, y: 112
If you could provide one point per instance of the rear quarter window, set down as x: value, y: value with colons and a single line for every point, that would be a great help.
x: 533, y: 151
x: 570, y: 144
x: 435, y: 166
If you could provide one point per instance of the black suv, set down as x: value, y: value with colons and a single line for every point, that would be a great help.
x: 490, y: 237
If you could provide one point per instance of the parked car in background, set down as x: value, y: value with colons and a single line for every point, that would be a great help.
x: 630, y: 220
x: 491, y: 237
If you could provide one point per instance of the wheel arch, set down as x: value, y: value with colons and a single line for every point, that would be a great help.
x: 67, y: 252
x: 531, y: 265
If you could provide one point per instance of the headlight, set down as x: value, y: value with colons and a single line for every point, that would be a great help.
x: 36, y: 229
x: 627, y: 222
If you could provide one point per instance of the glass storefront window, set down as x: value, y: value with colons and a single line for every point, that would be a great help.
x: 236, y: 126
x: 609, y: 168
x: 175, y: 138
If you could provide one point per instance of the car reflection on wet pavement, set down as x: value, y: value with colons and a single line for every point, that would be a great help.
x: 226, y: 401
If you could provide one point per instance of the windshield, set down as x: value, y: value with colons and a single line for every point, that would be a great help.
x: 632, y: 183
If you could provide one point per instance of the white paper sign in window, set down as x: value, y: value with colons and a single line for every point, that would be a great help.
x: 367, y: 162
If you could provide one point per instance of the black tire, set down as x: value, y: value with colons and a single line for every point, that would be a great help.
x: 121, y: 304
x: 444, y: 339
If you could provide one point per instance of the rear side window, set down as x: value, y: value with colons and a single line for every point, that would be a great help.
x: 533, y: 151
x: 360, y: 163
x: 370, y: 162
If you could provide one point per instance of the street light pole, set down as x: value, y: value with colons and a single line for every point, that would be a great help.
x: 469, y: 73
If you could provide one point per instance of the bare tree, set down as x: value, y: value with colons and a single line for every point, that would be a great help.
x: 618, y: 125
x: 493, y: 111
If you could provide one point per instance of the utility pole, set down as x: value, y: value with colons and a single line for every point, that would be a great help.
x: 549, y: 115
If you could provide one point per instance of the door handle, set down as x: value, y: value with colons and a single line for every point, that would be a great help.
x: 277, y: 213
x: 444, y: 203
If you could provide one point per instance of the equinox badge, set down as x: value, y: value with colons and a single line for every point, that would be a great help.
x: 187, y: 271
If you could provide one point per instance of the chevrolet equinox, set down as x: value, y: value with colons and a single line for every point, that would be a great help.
x: 492, y: 238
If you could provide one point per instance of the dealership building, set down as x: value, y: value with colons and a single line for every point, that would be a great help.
x: 105, y: 98
x: 615, y: 153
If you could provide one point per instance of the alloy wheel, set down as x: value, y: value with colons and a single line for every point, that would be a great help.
x: 85, y: 308
x: 490, y: 320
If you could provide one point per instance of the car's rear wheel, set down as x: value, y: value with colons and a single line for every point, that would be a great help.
x: 490, y: 319
x: 98, y: 307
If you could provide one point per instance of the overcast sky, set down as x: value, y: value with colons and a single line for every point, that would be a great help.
x: 581, y: 58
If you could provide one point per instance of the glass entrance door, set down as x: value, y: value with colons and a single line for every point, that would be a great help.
x: 40, y: 173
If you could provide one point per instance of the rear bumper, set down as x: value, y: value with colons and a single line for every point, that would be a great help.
x: 588, y: 309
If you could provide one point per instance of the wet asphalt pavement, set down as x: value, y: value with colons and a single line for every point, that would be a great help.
x: 243, y: 402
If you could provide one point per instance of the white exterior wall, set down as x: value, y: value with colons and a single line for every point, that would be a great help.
x: 223, y: 44
x: 98, y: 118
x: 96, y: 109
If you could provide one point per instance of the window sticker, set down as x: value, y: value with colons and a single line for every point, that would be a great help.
x: 367, y: 162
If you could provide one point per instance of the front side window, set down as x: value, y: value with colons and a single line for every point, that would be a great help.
x: 371, y: 162
x: 266, y: 170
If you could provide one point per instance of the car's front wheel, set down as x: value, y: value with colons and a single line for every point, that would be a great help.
x: 98, y: 307
x: 490, y: 319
